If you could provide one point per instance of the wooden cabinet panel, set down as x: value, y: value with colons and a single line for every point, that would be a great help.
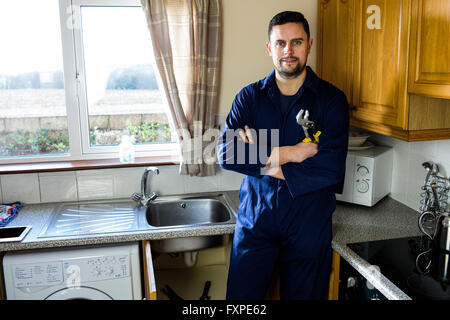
x: 430, y: 48
x: 333, y: 287
x: 380, y: 75
x: 391, y: 58
x: 149, y: 273
x: 335, y: 43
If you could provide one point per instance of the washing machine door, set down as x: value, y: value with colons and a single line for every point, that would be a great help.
x: 84, y: 293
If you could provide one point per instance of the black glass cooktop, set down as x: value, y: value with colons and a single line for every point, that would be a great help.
x: 396, y: 259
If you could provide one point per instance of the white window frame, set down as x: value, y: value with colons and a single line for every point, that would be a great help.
x: 75, y: 93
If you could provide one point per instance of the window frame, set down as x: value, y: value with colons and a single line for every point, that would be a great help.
x: 75, y: 94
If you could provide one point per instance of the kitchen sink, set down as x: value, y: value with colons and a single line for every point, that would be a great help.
x: 165, y: 213
x: 193, y: 211
x: 187, y: 212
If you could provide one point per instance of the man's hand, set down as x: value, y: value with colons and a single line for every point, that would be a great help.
x: 274, y: 172
x: 246, y: 136
x: 297, y: 153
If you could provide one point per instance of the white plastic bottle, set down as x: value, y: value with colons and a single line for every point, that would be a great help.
x: 126, y: 149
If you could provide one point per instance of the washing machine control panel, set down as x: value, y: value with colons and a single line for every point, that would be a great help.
x: 73, y: 272
x: 100, y: 268
x: 38, y: 274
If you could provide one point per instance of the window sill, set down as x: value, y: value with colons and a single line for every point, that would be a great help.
x: 85, y: 165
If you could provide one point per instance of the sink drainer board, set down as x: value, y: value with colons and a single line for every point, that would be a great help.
x: 92, y: 218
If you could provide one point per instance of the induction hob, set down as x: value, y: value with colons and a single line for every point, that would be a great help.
x: 396, y: 259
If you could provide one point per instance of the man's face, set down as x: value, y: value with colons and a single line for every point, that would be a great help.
x: 289, y: 48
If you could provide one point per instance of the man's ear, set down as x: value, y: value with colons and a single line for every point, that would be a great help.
x: 310, y: 43
x: 269, y: 50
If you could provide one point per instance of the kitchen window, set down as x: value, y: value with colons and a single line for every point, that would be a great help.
x: 74, y: 77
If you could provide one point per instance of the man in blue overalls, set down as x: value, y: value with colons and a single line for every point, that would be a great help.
x: 286, y: 199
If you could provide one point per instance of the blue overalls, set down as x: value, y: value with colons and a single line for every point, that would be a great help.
x: 288, y: 223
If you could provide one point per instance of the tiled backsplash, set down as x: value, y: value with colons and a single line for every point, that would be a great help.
x: 108, y: 184
x: 408, y: 174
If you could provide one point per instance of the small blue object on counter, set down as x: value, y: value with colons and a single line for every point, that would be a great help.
x: 8, y: 211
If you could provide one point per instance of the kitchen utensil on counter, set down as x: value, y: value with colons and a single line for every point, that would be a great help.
x: 435, y: 189
x: 439, y: 260
x: 357, y: 138
x: 366, y: 145
x: 434, y: 222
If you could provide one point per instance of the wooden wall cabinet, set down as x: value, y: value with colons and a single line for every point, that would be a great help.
x: 335, y: 46
x: 383, y: 55
x: 429, y: 72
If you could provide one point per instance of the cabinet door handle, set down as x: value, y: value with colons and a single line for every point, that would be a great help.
x: 354, y: 108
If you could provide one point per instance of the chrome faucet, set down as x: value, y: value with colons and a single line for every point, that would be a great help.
x: 143, y: 198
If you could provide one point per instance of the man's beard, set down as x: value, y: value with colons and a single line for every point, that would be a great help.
x: 292, y: 74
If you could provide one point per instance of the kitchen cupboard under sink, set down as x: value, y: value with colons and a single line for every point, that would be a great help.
x: 167, y: 276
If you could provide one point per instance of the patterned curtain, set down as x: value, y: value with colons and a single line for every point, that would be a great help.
x: 186, y: 37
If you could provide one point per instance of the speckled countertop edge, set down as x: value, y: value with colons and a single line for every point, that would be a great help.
x: 388, y: 219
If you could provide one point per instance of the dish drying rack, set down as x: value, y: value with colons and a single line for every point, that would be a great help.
x: 435, y: 190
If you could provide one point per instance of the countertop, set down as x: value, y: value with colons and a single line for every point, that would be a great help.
x: 388, y: 219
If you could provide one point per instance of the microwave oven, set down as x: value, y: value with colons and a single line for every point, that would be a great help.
x: 368, y: 175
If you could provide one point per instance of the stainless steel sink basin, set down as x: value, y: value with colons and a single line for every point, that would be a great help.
x: 187, y: 212
x: 176, y: 212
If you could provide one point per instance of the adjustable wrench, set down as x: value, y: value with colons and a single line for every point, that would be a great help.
x: 307, y: 125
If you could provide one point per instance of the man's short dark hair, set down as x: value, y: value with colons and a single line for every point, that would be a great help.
x: 286, y: 17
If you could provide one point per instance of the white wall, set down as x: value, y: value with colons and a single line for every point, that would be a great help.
x: 244, y: 54
x: 408, y: 174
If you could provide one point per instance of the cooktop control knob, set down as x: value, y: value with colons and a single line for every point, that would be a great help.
x: 351, y: 282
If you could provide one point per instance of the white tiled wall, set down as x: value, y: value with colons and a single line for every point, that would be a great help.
x: 108, y: 184
x: 408, y: 173
x: 24, y: 188
x: 58, y: 186
x: 95, y: 184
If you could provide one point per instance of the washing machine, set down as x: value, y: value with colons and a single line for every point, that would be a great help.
x: 96, y: 273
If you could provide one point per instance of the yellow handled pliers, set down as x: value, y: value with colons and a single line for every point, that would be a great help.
x: 315, y: 135
x: 307, y: 125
